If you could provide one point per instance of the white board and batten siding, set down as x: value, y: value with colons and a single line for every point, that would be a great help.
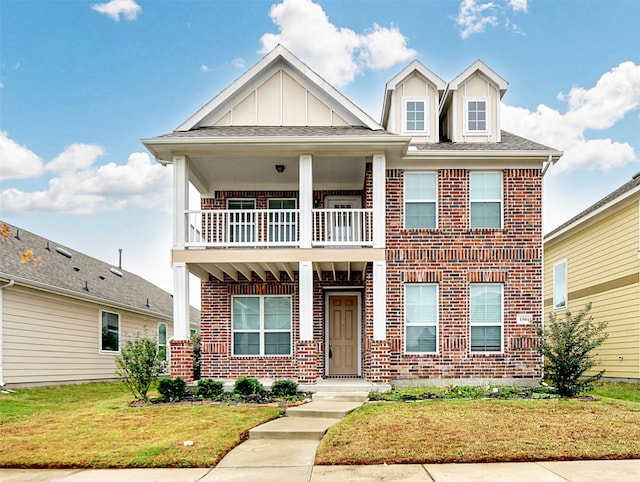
x: 49, y: 338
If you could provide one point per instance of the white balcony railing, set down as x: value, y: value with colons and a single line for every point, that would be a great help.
x: 278, y: 227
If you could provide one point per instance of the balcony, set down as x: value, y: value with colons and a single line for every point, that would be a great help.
x: 251, y: 228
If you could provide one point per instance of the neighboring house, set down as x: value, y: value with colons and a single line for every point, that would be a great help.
x: 64, y: 316
x: 331, y: 246
x: 593, y: 258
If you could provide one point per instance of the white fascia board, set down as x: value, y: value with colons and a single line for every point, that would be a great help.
x: 583, y: 221
x: 486, y: 70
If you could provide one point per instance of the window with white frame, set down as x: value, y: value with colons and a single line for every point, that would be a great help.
x: 162, y: 341
x: 420, y: 200
x: 421, y: 317
x: 242, y: 220
x: 415, y: 115
x: 110, y: 332
x: 282, y: 221
x: 485, y: 196
x: 560, y: 285
x: 485, y: 317
x: 476, y: 115
x: 261, y: 325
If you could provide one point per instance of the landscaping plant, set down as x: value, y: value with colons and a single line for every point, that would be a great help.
x: 284, y: 389
x: 139, y: 364
x: 249, y: 389
x: 567, y: 343
x: 173, y: 390
x: 210, y: 389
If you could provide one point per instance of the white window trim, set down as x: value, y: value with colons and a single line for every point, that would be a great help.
x: 566, y: 285
x: 262, y: 330
x: 437, y: 322
x: 501, y: 351
x: 488, y: 200
x: 404, y: 204
x: 242, y: 199
x: 425, y: 100
x: 465, y: 127
x: 295, y: 202
x: 109, y: 352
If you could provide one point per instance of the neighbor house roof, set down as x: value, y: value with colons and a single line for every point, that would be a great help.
x: 33, y: 261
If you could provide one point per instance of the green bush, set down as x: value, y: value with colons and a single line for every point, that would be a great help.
x: 249, y: 389
x: 284, y: 388
x: 173, y: 390
x: 139, y: 364
x: 210, y: 389
x: 566, y: 344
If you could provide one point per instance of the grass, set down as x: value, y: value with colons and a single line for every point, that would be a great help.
x: 94, y: 426
x: 444, y: 431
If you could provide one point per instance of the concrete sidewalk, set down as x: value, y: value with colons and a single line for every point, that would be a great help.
x: 574, y: 471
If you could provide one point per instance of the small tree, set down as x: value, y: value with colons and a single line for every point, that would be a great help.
x: 139, y: 364
x: 566, y: 344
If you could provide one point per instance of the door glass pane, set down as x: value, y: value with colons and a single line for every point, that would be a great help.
x: 242, y: 225
x: 246, y: 313
x: 277, y: 313
x: 282, y: 226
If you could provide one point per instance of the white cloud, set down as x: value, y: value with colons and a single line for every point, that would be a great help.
x: 18, y: 162
x: 517, y: 5
x: 129, y: 9
x: 204, y: 68
x: 475, y: 17
x: 599, y: 108
x: 1, y: 85
x: 238, y: 63
x: 342, y: 53
x: 88, y: 188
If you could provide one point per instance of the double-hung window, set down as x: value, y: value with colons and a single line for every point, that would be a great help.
x: 242, y: 220
x: 421, y: 317
x: 476, y: 115
x: 485, y: 317
x: 110, y: 332
x: 560, y: 285
x: 485, y: 195
x: 261, y: 325
x: 415, y: 115
x: 420, y: 200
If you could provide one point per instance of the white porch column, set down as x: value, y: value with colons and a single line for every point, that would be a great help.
x: 379, y: 168
x: 306, y: 199
x: 180, y: 200
x: 181, y: 302
x: 305, y: 297
x: 379, y: 300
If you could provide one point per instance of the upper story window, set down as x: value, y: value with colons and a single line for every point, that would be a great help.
x: 110, y: 332
x: 560, y: 285
x: 476, y: 118
x: 242, y: 221
x: 421, y: 317
x: 414, y: 115
x: 420, y: 200
x: 485, y: 317
x: 485, y: 196
x: 261, y: 325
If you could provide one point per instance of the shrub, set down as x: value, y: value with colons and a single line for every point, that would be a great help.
x: 284, y: 388
x: 195, y: 338
x: 139, y: 364
x: 173, y: 390
x: 249, y: 389
x: 566, y: 344
x: 211, y: 389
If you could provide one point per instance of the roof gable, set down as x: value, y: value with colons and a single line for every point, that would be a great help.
x: 479, y: 66
x: 279, y: 90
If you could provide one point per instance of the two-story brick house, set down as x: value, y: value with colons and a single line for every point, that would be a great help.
x: 331, y: 246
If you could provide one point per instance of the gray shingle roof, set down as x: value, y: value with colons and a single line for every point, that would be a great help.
x: 277, y: 131
x: 625, y: 188
x: 80, y: 275
x: 509, y: 142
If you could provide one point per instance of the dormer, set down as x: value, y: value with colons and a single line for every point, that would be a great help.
x: 470, y: 107
x: 411, y: 104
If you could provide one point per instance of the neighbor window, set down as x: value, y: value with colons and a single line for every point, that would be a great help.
x: 485, y: 195
x: 415, y: 115
x: 162, y: 341
x: 420, y: 200
x: 261, y: 325
x: 477, y: 116
x: 421, y: 318
x: 110, y: 332
x: 485, y: 317
x: 560, y: 285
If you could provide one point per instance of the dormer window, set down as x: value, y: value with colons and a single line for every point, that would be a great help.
x: 415, y: 115
x: 476, y: 114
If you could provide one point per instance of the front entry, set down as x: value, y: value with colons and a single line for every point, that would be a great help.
x: 343, y: 335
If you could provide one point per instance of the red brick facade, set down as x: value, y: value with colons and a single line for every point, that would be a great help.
x: 182, y: 359
x: 452, y: 255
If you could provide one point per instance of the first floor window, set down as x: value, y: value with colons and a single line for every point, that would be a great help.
x: 421, y: 318
x: 261, y: 325
x: 485, y: 195
x: 486, y: 317
x: 560, y: 285
x: 162, y: 341
x: 110, y: 339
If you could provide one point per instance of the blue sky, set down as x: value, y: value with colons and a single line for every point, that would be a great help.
x: 82, y: 81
